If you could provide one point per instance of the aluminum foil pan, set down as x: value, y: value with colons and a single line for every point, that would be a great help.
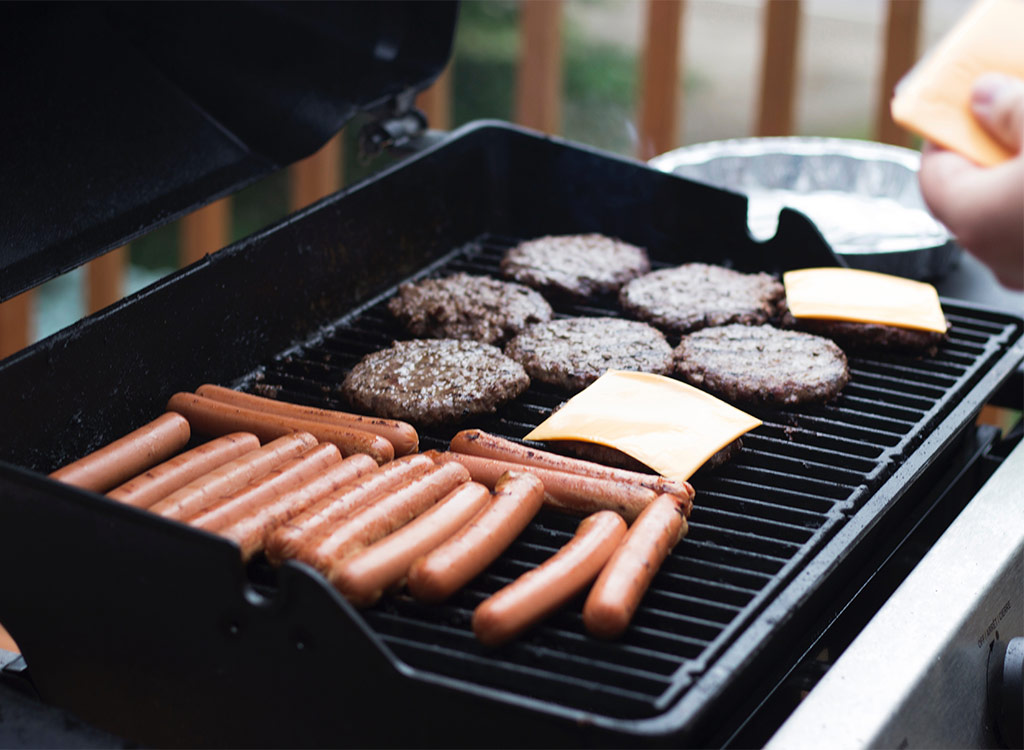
x: 863, y: 196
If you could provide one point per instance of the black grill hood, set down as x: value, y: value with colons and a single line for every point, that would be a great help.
x: 121, y: 117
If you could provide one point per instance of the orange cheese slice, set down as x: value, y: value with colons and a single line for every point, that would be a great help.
x: 863, y: 296
x: 667, y: 425
x: 934, y: 99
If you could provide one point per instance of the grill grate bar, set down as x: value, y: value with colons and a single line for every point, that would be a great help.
x: 756, y: 509
x: 545, y: 685
x: 785, y: 497
x: 756, y: 441
x: 869, y: 406
x: 886, y: 395
x: 767, y: 528
x: 908, y: 375
x: 786, y: 464
x: 827, y: 443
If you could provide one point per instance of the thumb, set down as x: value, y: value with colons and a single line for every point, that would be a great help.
x: 997, y: 101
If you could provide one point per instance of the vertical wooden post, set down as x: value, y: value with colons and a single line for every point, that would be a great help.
x: 539, y: 79
x: 204, y: 231
x: 659, y: 103
x: 104, y: 276
x: 902, y: 35
x: 315, y: 176
x: 16, y: 324
x: 778, y: 68
x: 436, y: 101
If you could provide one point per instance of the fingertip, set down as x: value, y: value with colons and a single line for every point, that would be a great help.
x: 997, y: 102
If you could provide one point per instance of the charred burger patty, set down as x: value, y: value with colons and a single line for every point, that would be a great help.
x: 762, y: 364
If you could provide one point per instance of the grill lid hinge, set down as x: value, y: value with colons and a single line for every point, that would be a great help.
x: 394, y: 125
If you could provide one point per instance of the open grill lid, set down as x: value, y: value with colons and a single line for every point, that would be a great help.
x: 121, y: 117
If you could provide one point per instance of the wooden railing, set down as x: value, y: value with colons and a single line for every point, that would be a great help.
x: 538, y: 104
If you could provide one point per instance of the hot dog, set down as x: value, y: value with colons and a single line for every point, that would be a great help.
x: 381, y: 517
x: 486, y: 445
x: 569, y: 492
x: 207, y: 489
x: 160, y: 481
x: 122, y: 459
x: 246, y: 500
x: 365, y: 575
x: 250, y: 533
x: 215, y: 418
x: 538, y: 592
x: 517, y: 498
x: 285, y: 541
x: 623, y: 581
x: 401, y: 435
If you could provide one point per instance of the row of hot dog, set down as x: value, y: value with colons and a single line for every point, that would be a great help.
x: 325, y: 488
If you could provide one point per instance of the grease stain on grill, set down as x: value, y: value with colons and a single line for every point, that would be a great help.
x: 795, y: 482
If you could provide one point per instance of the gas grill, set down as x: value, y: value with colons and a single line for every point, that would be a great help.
x: 156, y: 631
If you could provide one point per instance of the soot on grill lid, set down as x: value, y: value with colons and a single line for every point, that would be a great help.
x: 120, y: 117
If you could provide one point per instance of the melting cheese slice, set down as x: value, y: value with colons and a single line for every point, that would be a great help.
x: 863, y: 296
x: 934, y: 99
x: 663, y: 423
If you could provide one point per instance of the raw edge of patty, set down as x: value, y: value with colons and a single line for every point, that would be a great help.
x: 572, y: 353
x: 762, y: 365
x: 577, y: 265
x: 857, y: 336
x: 463, y: 306
x: 699, y: 295
x: 434, y: 381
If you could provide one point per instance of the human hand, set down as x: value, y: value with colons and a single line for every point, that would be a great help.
x: 984, y: 206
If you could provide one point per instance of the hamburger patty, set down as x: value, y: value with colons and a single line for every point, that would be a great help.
x: 857, y: 336
x: 761, y: 364
x: 698, y: 295
x: 434, y: 381
x: 572, y: 353
x: 467, y: 307
x: 578, y: 265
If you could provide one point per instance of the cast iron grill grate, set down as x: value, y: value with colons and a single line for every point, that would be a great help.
x: 755, y: 519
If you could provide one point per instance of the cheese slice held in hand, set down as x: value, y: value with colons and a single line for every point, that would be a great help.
x: 668, y: 425
x: 863, y: 297
x: 933, y: 100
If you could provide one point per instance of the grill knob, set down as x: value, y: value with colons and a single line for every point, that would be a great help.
x: 1006, y: 690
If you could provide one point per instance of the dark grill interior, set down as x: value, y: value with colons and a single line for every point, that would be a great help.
x: 755, y: 518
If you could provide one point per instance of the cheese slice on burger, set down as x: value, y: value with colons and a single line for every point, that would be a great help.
x: 863, y: 297
x: 665, y: 424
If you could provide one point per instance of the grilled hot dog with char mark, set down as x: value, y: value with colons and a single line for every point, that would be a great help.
x: 624, y: 580
x: 126, y: 457
x: 381, y: 517
x: 310, y: 525
x: 569, y: 492
x: 173, y: 474
x: 202, y: 492
x: 250, y: 532
x: 364, y: 576
x: 517, y: 498
x: 246, y: 500
x: 539, y: 592
x: 216, y: 418
x: 486, y: 445
x: 401, y: 435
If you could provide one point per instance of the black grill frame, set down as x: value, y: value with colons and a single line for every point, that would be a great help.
x: 195, y: 635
